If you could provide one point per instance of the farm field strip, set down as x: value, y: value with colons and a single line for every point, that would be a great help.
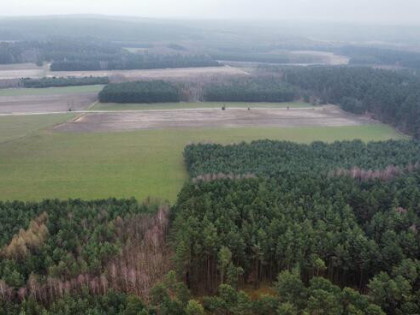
x: 135, y: 108
x: 31, y: 71
x: 151, y: 110
x: 45, y: 103
x: 212, y: 117
x: 12, y: 128
x: 48, y: 164
x: 47, y: 100
x: 51, y: 91
x: 188, y: 105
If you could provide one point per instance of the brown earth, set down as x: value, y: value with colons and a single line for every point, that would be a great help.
x: 204, y: 117
x: 175, y: 73
x: 17, y: 71
x: 45, y: 103
x: 21, y: 70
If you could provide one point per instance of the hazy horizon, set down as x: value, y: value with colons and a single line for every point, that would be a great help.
x: 389, y: 12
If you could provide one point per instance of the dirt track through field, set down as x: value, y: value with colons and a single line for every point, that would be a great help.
x: 207, y: 117
x: 45, y: 103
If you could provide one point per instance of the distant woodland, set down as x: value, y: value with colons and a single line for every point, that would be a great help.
x: 89, y: 55
x: 389, y: 96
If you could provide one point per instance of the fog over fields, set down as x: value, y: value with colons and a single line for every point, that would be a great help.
x: 359, y: 11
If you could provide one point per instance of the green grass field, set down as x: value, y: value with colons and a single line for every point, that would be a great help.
x: 15, y: 127
x: 47, y: 164
x: 114, y: 106
x: 52, y: 90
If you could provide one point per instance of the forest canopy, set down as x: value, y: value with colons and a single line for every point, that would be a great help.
x: 140, y: 92
x: 298, y: 212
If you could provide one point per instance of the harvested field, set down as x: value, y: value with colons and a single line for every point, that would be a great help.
x: 45, y: 103
x: 18, y: 71
x: 173, y: 73
x: 326, y: 116
x: 22, y: 70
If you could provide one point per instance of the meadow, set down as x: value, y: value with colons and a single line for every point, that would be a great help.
x: 15, y: 127
x: 49, y: 164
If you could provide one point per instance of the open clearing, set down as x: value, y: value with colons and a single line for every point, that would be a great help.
x: 142, y: 163
x: 47, y: 100
x: 123, y: 107
x: 325, y: 116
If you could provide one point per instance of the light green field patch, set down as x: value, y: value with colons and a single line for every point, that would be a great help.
x: 15, y: 127
x: 52, y: 90
x: 117, y: 107
x: 126, y: 164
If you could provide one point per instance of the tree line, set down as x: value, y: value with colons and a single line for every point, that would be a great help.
x: 129, y: 61
x: 381, y: 56
x: 389, y: 96
x: 69, y: 54
x: 255, y: 89
x: 59, y: 82
x: 140, y: 92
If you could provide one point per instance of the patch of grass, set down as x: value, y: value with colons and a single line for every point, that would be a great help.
x: 125, y: 164
x: 52, y: 90
x: 114, y: 106
x: 14, y: 127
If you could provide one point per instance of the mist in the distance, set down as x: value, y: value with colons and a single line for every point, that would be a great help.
x: 355, y: 11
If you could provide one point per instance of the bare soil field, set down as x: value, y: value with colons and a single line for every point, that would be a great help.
x: 173, y: 73
x: 17, y: 71
x: 21, y: 70
x: 45, y: 103
x: 326, y: 116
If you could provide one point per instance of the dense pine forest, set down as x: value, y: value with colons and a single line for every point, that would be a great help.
x: 140, y: 92
x: 347, y: 211
x: 256, y: 89
x: 390, y: 96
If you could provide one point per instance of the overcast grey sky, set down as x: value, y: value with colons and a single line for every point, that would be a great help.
x: 361, y: 11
